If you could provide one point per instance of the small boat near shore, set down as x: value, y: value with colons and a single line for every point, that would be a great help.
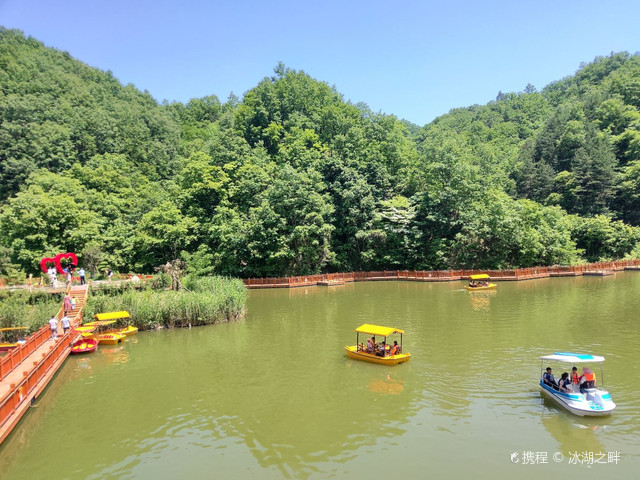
x: 375, y: 352
x: 105, y: 337
x: 582, y: 399
x: 479, y: 283
x: 84, y: 345
x: 11, y: 337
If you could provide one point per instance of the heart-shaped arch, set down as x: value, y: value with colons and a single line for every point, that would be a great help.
x: 56, y: 261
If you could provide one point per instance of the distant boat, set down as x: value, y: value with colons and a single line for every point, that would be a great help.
x: 479, y: 282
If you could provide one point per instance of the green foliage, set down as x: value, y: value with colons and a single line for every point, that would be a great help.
x: 21, y: 309
x: 291, y: 179
x: 210, y: 300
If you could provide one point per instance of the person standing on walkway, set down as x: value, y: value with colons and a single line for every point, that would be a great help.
x: 66, y: 324
x: 81, y: 273
x: 109, y: 274
x: 53, y: 325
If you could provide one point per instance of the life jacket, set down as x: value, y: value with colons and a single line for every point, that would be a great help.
x: 394, y: 349
x: 590, y: 377
x: 575, y: 378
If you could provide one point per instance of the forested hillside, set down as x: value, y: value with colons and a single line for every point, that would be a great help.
x: 293, y: 179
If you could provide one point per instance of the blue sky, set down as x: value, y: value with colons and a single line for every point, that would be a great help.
x: 414, y: 59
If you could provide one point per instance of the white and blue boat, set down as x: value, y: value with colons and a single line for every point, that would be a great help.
x: 585, y: 400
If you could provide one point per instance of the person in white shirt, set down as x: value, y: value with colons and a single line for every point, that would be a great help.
x: 53, y: 325
x: 66, y: 323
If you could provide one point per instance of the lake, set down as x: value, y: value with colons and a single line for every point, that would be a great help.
x: 275, y: 396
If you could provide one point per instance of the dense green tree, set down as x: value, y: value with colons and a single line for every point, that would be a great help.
x: 292, y: 179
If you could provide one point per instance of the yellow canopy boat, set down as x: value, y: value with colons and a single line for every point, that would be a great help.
x: 479, y: 282
x: 12, y: 338
x: 375, y: 352
x: 107, y: 338
x: 113, y: 317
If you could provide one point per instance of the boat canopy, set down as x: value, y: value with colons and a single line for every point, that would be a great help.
x: 99, y: 323
x: 85, y: 329
x: 480, y: 276
x: 377, y: 330
x: 573, y: 357
x: 111, y: 315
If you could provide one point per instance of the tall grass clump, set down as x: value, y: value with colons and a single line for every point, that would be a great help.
x: 23, y: 309
x: 205, y: 301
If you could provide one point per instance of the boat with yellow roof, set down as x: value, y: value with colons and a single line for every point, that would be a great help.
x: 11, y: 337
x: 127, y: 330
x: 480, y: 282
x: 374, y: 352
x: 104, y: 337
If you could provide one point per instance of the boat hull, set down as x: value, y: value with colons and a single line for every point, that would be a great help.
x: 353, y: 352
x: 129, y: 331
x: 85, y: 345
x: 110, y: 338
x: 491, y: 286
x: 599, y: 403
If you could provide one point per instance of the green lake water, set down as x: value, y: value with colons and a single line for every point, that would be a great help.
x: 274, y: 395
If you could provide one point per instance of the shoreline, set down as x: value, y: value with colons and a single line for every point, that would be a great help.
x: 518, y: 274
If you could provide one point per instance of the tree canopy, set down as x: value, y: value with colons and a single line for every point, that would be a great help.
x: 292, y: 179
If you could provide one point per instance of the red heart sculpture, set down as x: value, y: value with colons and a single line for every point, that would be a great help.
x: 60, y: 256
x: 44, y: 261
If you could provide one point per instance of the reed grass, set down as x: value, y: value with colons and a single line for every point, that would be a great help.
x: 208, y: 300
x: 20, y: 308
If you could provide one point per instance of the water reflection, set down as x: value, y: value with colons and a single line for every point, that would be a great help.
x: 573, y: 433
x: 481, y: 300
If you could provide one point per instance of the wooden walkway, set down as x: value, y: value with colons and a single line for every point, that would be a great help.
x: 25, y: 371
x: 595, y: 269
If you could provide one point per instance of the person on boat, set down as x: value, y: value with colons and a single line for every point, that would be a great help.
x: 575, y: 378
x: 382, y: 349
x: 394, y: 348
x: 370, y: 342
x: 53, y: 325
x: 587, y: 380
x: 66, y: 323
x: 564, y: 384
x: 548, y: 379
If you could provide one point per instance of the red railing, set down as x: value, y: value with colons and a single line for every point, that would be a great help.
x: 441, y: 275
x: 23, y: 389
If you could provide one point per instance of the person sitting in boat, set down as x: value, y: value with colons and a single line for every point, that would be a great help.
x: 587, y: 380
x: 564, y: 384
x: 395, y: 348
x: 548, y: 379
x: 382, y: 349
x: 472, y: 283
x: 575, y: 378
x: 371, y: 344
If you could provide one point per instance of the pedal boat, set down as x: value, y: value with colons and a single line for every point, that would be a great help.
x: 359, y: 350
x: 106, y: 338
x: 480, y: 282
x: 13, y: 337
x: 127, y: 331
x: 84, y: 345
x: 591, y: 402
